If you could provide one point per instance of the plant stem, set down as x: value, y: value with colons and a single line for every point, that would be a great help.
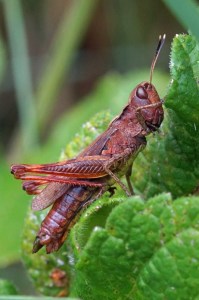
x: 69, y: 35
x: 3, y: 59
x: 21, y: 73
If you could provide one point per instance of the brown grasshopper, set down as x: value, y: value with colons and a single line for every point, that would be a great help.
x: 74, y: 184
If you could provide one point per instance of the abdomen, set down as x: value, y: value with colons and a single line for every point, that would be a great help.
x: 55, y: 227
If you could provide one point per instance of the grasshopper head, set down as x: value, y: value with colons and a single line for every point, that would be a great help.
x: 148, y: 105
x: 145, y: 99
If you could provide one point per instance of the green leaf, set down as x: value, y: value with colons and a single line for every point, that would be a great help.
x: 13, y: 207
x: 7, y: 288
x: 94, y: 216
x: 49, y: 273
x: 171, y: 160
x: 173, y: 271
x: 33, y: 298
x: 144, y: 251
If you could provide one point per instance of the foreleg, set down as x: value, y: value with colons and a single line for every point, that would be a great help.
x: 115, y: 160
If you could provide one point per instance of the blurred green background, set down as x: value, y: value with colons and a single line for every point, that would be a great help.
x: 58, y: 60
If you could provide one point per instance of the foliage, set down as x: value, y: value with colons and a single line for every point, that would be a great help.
x: 23, y: 83
x: 69, y: 35
x: 11, y: 216
x: 7, y: 288
x: 40, y: 265
x: 112, y: 94
x: 129, y: 249
x: 63, y: 50
x: 145, y: 251
x: 171, y: 161
x: 149, y: 251
x: 49, y: 273
x: 138, y: 242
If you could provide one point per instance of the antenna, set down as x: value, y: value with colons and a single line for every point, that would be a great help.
x: 157, y: 52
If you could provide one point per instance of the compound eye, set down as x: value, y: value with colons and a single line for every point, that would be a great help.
x: 141, y: 93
